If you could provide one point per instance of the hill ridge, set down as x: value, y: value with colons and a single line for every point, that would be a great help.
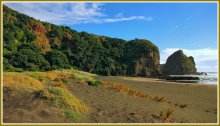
x: 60, y: 47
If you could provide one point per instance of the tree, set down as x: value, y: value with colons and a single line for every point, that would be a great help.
x: 57, y: 60
x: 6, y: 65
x: 29, y: 60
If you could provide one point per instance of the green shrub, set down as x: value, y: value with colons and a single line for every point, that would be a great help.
x: 32, y: 67
x: 17, y: 70
x: 65, y: 81
x: 29, y: 60
x: 70, y: 114
x: 6, y: 65
x: 36, y: 75
x: 94, y: 82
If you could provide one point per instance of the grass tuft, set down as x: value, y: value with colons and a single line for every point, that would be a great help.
x: 85, y: 77
x: 66, y: 99
x: 159, y: 98
x: 94, y: 82
x: 70, y: 114
x: 122, y: 88
x: 166, y: 115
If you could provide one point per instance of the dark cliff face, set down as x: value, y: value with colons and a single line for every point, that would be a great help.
x: 142, y: 58
x: 178, y: 63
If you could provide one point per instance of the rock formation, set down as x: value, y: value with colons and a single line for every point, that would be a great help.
x: 143, y: 58
x: 179, y: 64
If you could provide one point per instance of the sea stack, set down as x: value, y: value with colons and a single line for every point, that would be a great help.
x: 142, y: 58
x: 179, y: 64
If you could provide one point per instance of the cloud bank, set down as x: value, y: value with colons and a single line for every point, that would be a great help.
x: 206, y: 59
x: 71, y: 13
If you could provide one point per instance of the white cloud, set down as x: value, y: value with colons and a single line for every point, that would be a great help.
x: 110, y: 20
x: 70, y: 13
x: 205, y: 59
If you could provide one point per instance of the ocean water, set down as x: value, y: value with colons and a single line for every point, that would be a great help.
x: 210, y: 78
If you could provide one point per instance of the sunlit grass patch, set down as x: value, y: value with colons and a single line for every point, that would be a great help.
x: 50, y: 75
x: 122, y: 88
x: 80, y: 76
x: 35, y: 75
x: 57, y: 78
x: 70, y: 114
x: 60, y: 84
x: 130, y: 91
x: 134, y: 92
x: 84, y: 73
x: 85, y: 77
x: 52, y: 86
x: 20, y: 81
x: 62, y: 98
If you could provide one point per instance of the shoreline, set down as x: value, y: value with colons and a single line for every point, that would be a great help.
x: 145, y: 79
x: 142, y: 79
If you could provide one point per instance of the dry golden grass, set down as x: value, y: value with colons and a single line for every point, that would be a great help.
x: 60, y: 84
x: 107, y: 84
x: 63, y: 98
x: 55, y: 78
x: 84, y: 73
x: 50, y: 75
x: 21, y: 81
x: 37, y: 79
x: 122, y: 88
x: 51, y: 85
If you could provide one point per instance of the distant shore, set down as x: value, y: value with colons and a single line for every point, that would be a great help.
x: 142, y: 79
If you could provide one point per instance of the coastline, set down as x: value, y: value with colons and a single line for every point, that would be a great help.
x: 142, y: 79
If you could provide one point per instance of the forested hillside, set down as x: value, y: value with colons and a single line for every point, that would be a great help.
x: 33, y: 45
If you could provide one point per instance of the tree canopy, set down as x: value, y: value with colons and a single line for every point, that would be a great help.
x: 33, y: 45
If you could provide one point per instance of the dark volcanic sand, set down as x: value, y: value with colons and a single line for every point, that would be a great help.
x: 109, y: 106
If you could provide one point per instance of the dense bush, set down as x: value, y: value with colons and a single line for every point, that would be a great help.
x: 28, y: 59
x: 25, y: 40
x: 57, y: 60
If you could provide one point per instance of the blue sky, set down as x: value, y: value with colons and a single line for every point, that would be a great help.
x: 191, y: 27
